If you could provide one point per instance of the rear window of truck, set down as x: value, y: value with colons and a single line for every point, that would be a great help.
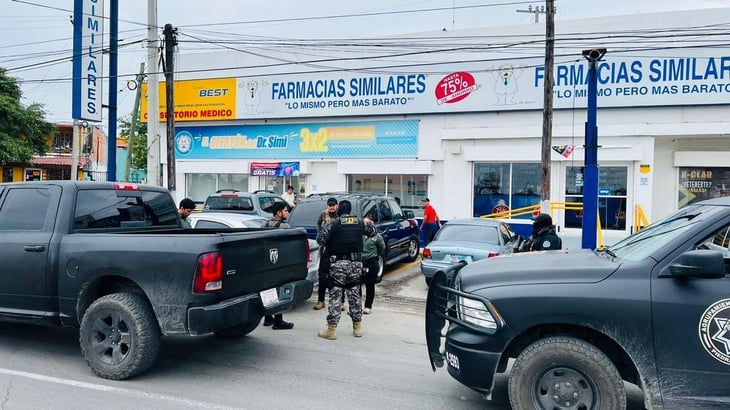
x: 105, y: 208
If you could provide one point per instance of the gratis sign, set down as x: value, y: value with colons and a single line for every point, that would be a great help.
x: 87, y: 59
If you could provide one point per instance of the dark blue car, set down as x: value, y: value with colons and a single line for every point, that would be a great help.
x: 398, y: 227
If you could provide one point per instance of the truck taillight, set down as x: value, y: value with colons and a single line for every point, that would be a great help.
x: 126, y: 187
x: 209, y: 273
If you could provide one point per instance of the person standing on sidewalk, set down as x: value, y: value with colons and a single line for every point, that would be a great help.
x: 289, y: 196
x: 431, y: 222
x: 373, y: 246
x: 324, y: 264
x: 278, y: 220
x: 343, y: 240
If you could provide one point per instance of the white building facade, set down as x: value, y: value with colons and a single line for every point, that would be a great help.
x: 457, y: 117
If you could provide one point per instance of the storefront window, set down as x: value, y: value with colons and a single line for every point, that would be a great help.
x: 408, y: 189
x: 700, y: 183
x: 612, y: 198
x: 503, y: 186
x: 278, y: 185
x: 199, y: 186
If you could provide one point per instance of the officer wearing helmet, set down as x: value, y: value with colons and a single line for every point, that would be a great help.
x: 342, y: 238
x: 543, y: 235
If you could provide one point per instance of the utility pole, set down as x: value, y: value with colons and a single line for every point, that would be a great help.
x: 547, y: 109
x: 153, y: 98
x: 590, y: 178
x: 169, y: 67
x: 79, y: 127
x: 536, y: 11
x: 133, y: 125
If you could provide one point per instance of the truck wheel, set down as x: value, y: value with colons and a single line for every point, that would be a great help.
x: 565, y: 373
x: 413, y: 248
x: 119, y: 336
x: 238, y: 331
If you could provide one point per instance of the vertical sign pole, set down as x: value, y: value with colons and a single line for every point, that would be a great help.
x: 590, y: 187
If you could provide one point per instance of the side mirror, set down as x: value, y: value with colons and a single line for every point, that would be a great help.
x: 699, y: 263
x: 408, y: 214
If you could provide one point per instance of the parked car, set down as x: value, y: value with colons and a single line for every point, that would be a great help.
x: 468, y: 240
x: 232, y: 200
x: 225, y: 220
x: 398, y: 227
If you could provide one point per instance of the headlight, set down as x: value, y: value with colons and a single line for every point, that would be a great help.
x: 476, y: 313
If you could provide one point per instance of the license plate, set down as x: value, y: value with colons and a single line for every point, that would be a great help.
x: 269, y: 297
x: 457, y: 258
x: 452, y: 360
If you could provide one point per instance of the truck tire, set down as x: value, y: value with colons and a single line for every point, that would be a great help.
x: 413, y: 248
x: 238, y: 331
x: 381, y: 269
x: 565, y: 373
x: 119, y: 336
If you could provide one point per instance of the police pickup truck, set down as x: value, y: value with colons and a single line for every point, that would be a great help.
x: 652, y: 310
x: 113, y: 260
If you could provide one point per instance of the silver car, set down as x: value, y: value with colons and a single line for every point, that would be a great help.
x: 220, y: 220
x: 466, y: 240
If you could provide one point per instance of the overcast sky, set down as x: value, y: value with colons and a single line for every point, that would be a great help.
x: 36, y: 35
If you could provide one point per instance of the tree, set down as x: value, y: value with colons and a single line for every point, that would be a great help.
x: 23, y: 130
x: 139, y: 143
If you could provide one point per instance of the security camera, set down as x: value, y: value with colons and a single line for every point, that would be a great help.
x: 594, y: 53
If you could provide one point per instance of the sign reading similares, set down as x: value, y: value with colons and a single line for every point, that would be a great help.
x: 87, y: 59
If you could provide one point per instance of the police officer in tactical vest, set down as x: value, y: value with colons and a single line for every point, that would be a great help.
x: 543, y: 235
x: 343, y: 240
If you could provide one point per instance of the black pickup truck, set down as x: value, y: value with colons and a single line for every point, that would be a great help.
x: 113, y: 260
x: 652, y: 310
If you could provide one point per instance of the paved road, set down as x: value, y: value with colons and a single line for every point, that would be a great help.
x: 388, y: 368
x: 41, y: 368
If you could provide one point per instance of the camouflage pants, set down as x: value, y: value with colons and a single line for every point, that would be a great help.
x: 343, y: 273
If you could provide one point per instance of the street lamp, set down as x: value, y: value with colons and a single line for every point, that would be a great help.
x: 590, y: 187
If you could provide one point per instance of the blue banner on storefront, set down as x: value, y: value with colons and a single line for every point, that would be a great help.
x: 376, y: 139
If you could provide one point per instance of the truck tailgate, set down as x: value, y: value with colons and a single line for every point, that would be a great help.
x: 254, y: 262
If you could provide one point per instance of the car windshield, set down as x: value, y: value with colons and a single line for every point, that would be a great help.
x: 229, y: 203
x: 470, y: 233
x: 306, y: 213
x: 646, y: 242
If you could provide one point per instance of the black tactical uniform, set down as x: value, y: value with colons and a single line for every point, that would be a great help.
x: 543, y: 236
x: 343, y: 240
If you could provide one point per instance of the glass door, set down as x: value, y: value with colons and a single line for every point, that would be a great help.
x: 612, y: 196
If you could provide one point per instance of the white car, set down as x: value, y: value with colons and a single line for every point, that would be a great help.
x: 218, y: 220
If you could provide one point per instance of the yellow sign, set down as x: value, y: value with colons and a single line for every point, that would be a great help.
x: 197, y: 100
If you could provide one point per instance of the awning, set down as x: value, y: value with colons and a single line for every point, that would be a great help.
x: 57, y: 161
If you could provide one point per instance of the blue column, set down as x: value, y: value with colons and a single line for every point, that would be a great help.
x: 113, y: 67
x: 590, y: 174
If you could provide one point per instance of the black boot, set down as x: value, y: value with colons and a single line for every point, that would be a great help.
x: 280, y: 324
x: 268, y: 320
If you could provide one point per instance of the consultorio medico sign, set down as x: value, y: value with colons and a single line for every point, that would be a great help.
x: 519, y: 85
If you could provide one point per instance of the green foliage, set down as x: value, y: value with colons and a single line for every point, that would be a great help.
x: 139, y: 143
x: 23, y: 130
